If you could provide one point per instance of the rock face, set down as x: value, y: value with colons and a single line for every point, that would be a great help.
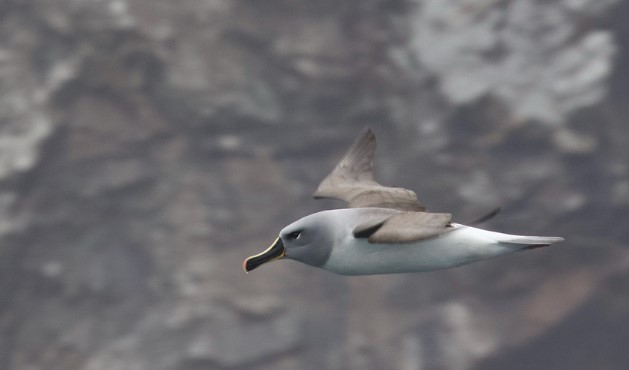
x: 148, y: 146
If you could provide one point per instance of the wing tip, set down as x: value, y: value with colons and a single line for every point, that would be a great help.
x: 364, y: 145
x: 355, y: 165
x: 486, y: 217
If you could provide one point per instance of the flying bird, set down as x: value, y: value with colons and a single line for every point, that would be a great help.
x: 384, y: 230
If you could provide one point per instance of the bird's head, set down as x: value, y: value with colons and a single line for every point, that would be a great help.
x: 308, y: 240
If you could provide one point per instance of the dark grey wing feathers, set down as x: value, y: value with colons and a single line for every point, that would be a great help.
x: 486, y: 217
x: 368, y: 228
x: 352, y: 181
x: 404, y: 227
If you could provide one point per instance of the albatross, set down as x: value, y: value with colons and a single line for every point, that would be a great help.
x: 384, y: 230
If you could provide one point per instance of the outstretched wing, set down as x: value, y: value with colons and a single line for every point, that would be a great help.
x: 404, y: 227
x: 352, y: 181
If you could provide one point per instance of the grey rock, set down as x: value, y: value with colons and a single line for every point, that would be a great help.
x: 526, y: 53
x: 148, y: 147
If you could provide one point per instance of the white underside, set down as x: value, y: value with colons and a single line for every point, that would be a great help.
x: 465, y: 244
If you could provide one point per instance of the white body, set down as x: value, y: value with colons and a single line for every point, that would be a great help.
x: 464, y: 244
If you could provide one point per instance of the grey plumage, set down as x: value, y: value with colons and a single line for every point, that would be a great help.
x: 352, y: 181
x: 407, y: 227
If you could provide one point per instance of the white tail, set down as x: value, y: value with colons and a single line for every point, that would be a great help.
x: 532, y: 242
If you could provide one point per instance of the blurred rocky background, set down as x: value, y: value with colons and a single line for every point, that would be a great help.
x: 148, y: 146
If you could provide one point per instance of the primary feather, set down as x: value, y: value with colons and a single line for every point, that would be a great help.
x: 352, y: 181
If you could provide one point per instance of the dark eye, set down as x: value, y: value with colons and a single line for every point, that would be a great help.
x: 294, y: 235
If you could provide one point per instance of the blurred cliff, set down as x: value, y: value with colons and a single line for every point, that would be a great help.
x: 148, y: 146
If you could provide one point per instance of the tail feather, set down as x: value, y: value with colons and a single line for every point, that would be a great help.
x: 531, y: 242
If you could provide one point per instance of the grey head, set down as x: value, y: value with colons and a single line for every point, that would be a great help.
x: 308, y: 240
